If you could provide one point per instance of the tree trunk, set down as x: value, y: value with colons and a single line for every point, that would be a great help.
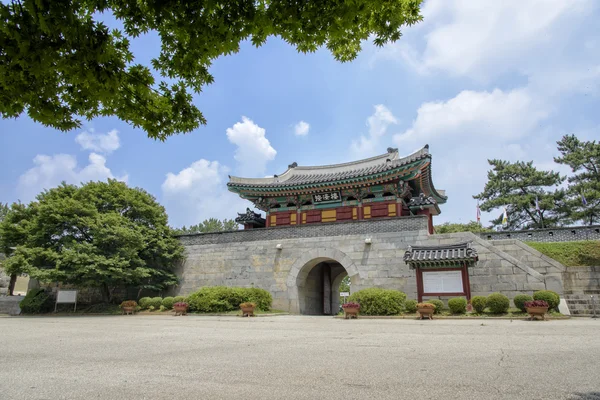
x: 106, y: 297
x: 11, y: 284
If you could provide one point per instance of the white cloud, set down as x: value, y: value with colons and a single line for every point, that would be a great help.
x: 254, y: 149
x: 472, y: 127
x: 483, y: 40
x: 378, y: 124
x: 480, y: 115
x: 102, y: 143
x: 199, y: 192
x: 50, y: 171
x: 301, y: 128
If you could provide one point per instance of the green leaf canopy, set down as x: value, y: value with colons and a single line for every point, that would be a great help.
x: 102, y: 234
x: 60, y: 62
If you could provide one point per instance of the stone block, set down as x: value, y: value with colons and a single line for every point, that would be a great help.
x: 503, y: 286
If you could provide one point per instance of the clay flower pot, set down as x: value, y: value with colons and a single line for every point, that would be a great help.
x: 351, y: 310
x: 128, y: 307
x: 536, y: 308
x: 426, y: 310
x: 180, y: 308
x: 247, y: 309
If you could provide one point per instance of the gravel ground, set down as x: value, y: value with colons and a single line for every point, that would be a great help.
x: 296, y: 357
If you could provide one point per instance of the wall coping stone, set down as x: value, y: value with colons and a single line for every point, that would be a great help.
x: 325, y: 229
x: 559, y: 234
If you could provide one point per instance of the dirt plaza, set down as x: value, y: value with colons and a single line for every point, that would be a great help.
x: 296, y: 357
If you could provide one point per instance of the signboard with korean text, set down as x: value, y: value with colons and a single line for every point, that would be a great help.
x: 66, y: 297
x: 442, y: 282
x: 326, y: 197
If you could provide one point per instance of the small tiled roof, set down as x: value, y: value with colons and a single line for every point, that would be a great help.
x: 298, y: 175
x: 440, y: 255
x: 250, y: 217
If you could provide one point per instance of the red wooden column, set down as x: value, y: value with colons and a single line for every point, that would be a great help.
x: 268, y: 219
x: 419, y: 284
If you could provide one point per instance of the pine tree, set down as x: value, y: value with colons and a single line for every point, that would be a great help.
x: 583, y: 201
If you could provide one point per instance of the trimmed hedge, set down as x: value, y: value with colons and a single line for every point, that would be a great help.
x: 479, y: 303
x: 179, y: 299
x: 376, y: 301
x: 215, y: 299
x: 520, y: 300
x: 498, y: 303
x: 410, y: 306
x: 144, y: 302
x: 168, y: 302
x: 155, y: 302
x: 458, y: 305
x: 550, y: 297
x: 439, y: 305
x: 36, y: 301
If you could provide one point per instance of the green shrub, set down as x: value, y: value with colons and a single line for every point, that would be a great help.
x: 458, y: 305
x: 155, y: 302
x: 479, y: 303
x: 410, y: 306
x: 376, y: 301
x: 144, y: 302
x: 163, y: 308
x: 439, y: 305
x: 550, y: 297
x: 260, y: 297
x: 520, y: 300
x: 498, y: 303
x: 179, y: 299
x: 168, y: 302
x: 214, y: 299
x: 36, y: 301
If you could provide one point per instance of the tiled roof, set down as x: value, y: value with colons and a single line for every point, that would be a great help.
x: 250, y: 217
x: 440, y: 255
x: 298, y: 175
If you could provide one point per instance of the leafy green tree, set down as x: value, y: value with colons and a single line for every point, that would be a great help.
x: 102, y: 234
x: 471, y: 226
x: 345, y: 284
x: 60, y: 62
x: 210, y: 225
x: 584, y: 160
x: 516, y: 187
x: 4, y: 209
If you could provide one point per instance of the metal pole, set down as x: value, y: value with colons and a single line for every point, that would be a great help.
x: 593, y: 307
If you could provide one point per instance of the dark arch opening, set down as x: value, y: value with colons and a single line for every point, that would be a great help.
x: 319, y: 287
x: 369, y: 196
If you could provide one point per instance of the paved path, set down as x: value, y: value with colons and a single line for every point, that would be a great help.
x: 295, y: 357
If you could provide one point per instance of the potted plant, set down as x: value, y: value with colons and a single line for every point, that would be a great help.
x: 426, y: 310
x: 128, y: 306
x: 351, y: 310
x: 180, y: 308
x: 536, y: 308
x: 247, y: 309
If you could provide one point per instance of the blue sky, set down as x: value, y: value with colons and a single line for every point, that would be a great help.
x: 474, y: 80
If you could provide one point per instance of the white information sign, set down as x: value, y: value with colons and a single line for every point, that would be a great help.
x: 344, y: 294
x: 442, y: 282
x: 66, y: 296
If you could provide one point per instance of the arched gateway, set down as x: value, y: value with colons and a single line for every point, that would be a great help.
x: 314, y: 281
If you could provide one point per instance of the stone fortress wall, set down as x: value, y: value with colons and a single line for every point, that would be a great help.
x: 280, y: 259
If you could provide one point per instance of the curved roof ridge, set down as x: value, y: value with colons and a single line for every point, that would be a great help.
x: 305, y: 171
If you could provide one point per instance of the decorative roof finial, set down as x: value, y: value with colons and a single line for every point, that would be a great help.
x: 392, y: 149
x: 293, y: 165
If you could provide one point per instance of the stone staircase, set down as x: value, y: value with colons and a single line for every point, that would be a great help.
x: 580, y: 303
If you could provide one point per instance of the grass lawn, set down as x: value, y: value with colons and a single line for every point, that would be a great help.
x: 571, y: 254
